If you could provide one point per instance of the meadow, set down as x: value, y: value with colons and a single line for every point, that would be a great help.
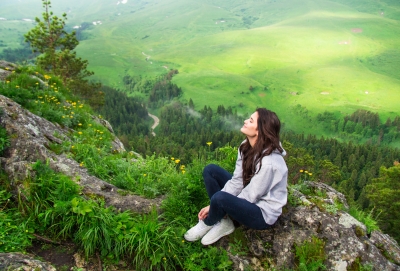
x: 336, y: 56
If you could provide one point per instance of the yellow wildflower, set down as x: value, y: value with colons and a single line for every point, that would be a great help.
x: 172, y: 158
x: 177, y: 161
x: 310, y: 174
x: 209, y: 143
x: 301, y: 170
x: 79, y: 132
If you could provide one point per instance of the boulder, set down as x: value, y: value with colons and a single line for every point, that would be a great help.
x: 5, y: 69
x: 31, y: 136
x: 22, y: 262
x: 347, y: 244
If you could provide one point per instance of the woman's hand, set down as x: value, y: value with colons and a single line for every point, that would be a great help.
x: 204, y: 212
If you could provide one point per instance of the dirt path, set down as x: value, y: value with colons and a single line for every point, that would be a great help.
x: 156, y: 122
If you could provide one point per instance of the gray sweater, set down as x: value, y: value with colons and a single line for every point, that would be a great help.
x: 267, y: 189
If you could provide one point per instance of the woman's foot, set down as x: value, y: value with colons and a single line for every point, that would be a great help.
x: 222, y: 228
x: 197, y: 232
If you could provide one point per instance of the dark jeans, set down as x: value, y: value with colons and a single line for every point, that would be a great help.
x: 222, y: 203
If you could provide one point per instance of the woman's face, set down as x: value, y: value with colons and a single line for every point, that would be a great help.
x: 250, y: 126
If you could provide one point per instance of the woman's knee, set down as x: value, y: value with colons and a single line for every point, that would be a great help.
x: 220, y: 197
x: 208, y: 171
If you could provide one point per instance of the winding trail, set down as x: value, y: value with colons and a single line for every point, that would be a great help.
x: 156, y: 122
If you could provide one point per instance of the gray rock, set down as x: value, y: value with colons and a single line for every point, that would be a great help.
x: 5, y: 69
x: 22, y: 262
x: 344, y: 247
x: 31, y: 137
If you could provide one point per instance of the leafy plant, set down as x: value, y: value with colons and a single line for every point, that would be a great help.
x: 367, y: 218
x: 4, y: 141
x: 310, y: 255
x: 212, y: 258
x: 15, y: 233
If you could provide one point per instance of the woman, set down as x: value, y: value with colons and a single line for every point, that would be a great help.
x: 255, y: 194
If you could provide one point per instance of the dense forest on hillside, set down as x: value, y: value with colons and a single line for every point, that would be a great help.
x: 362, y: 125
x: 158, y: 90
x: 128, y: 116
x: 18, y: 55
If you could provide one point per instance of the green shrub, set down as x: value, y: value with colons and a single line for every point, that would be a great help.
x: 15, y: 233
x: 310, y: 255
x: 366, y: 218
x: 4, y: 141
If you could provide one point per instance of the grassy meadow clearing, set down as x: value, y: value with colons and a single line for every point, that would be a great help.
x: 338, y: 56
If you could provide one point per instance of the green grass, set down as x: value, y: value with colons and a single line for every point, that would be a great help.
x: 281, y: 48
x: 54, y: 205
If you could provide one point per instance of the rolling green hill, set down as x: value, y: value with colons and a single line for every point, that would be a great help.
x: 338, y: 55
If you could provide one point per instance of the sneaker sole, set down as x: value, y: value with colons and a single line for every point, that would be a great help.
x: 216, y: 239
x: 191, y: 239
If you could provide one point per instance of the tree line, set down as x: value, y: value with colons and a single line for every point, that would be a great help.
x: 159, y: 90
x: 362, y: 125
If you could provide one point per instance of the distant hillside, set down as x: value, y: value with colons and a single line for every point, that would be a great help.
x: 337, y: 56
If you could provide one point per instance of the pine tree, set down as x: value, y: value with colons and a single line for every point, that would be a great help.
x: 384, y: 194
x: 56, y: 46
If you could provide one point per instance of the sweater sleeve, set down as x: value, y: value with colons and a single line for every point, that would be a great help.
x: 259, y: 185
x: 268, y: 187
x: 235, y: 185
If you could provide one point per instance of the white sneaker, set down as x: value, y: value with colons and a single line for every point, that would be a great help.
x: 222, y: 228
x: 197, y: 232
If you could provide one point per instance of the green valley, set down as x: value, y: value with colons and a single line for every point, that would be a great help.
x: 335, y: 56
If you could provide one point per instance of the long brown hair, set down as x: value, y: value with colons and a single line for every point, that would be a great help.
x: 268, y: 126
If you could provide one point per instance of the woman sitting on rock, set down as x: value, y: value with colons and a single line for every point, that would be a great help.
x: 256, y: 192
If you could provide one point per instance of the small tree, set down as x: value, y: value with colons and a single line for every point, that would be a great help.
x: 56, y: 47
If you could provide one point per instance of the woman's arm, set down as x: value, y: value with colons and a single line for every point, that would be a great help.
x: 235, y: 185
x: 271, y: 178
